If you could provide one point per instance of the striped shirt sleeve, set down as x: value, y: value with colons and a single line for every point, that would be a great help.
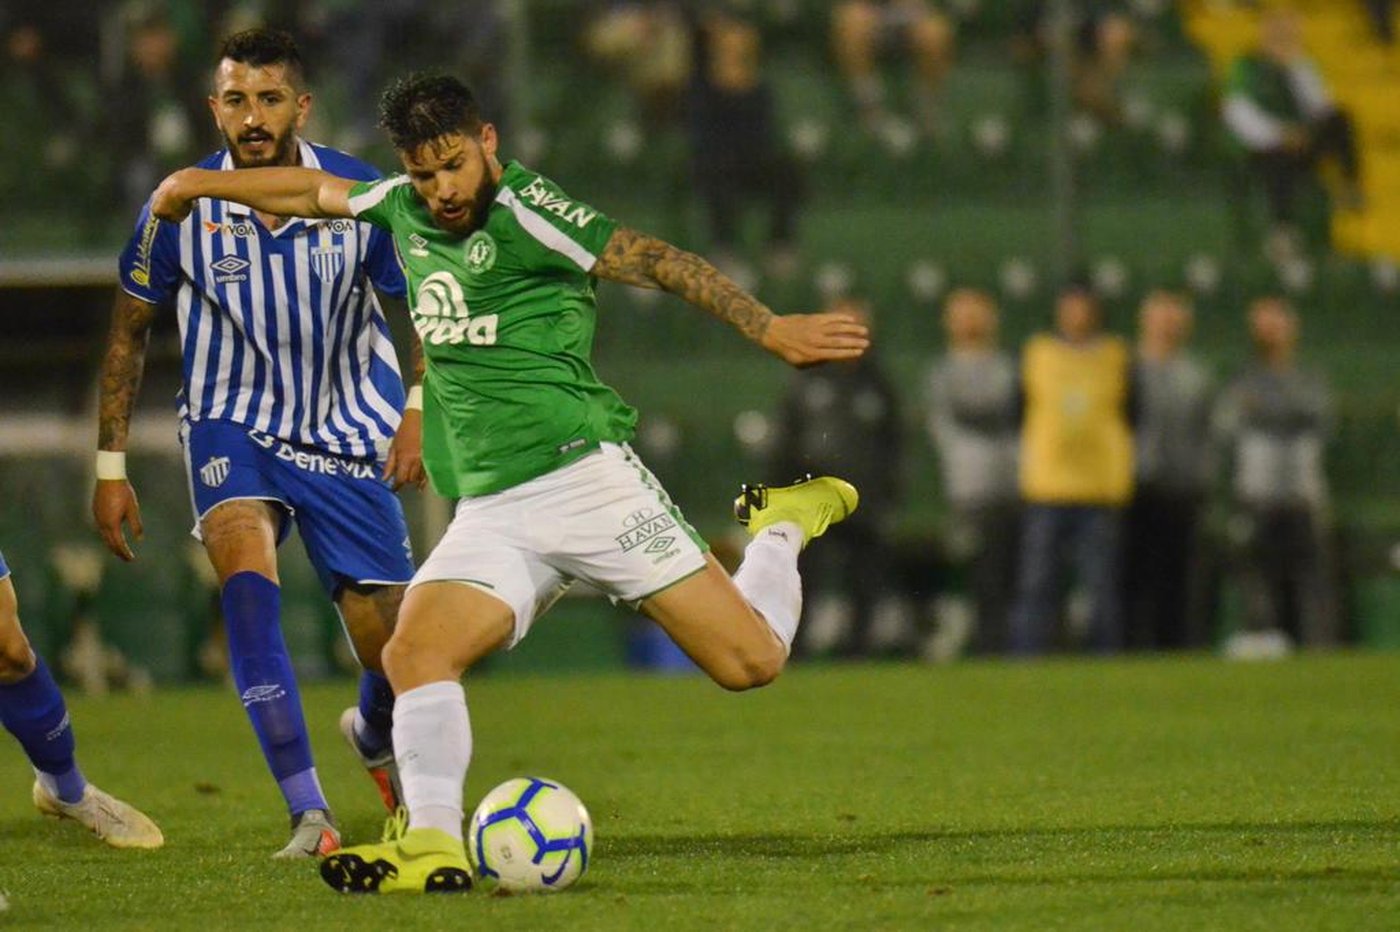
x: 149, y: 266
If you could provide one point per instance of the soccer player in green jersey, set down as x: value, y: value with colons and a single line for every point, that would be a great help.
x: 501, y: 266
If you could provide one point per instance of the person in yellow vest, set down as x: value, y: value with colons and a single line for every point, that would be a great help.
x: 1076, y: 473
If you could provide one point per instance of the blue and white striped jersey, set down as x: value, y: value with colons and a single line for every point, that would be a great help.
x: 280, y: 329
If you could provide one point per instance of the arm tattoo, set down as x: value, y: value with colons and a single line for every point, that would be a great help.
x: 121, y: 369
x: 633, y: 258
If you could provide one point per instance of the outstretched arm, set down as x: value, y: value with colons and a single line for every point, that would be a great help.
x: 284, y: 192
x: 114, y: 501
x: 634, y: 258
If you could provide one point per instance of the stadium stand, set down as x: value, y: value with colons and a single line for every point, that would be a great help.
x: 908, y: 218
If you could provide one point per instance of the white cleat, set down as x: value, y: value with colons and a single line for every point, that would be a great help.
x: 382, y: 769
x: 119, y: 824
x: 314, y: 835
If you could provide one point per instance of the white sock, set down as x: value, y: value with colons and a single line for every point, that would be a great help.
x: 433, y: 746
x: 768, y: 578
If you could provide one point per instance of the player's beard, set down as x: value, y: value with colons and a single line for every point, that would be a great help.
x: 282, y: 151
x: 482, y: 199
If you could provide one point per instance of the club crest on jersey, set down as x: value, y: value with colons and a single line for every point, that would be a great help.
x: 480, y: 252
x: 214, y: 472
x: 328, y: 261
x: 440, y: 314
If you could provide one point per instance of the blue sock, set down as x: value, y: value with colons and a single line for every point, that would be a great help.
x: 262, y: 671
x: 33, y: 711
x: 374, y: 726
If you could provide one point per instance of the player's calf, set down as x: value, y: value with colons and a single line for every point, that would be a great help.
x: 709, y: 618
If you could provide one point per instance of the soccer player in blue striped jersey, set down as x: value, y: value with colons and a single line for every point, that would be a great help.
x: 292, y: 410
x: 32, y: 709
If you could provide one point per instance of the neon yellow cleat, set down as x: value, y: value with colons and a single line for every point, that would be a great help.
x: 119, y: 824
x: 420, y: 860
x: 812, y: 504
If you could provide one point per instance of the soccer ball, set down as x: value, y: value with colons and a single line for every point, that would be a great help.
x: 530, y: 835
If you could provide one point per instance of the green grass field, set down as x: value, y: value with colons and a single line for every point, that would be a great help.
x: 1164, y: 794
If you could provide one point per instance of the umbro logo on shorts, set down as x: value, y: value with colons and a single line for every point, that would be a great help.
x: 214, y: 472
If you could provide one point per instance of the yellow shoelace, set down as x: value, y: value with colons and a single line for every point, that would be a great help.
x: 395, y: 825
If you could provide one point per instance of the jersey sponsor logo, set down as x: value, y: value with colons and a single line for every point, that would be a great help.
x: 480, y: 252
x: 419, y: 246
x: 141, y: 269
x: 322, y: 464
x: 646, y: 530
x: 440, y: 314
x: 328, y: 261
x: 265, y: 693
x: 230, y: 269
x: 536, y: 193
x: 214, y: 472
x: 234, y: 228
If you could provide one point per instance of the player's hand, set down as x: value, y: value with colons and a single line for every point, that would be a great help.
x: 405, y: 463
x: 807, y: 339
x: 168, y: 202
x: 114, y: 504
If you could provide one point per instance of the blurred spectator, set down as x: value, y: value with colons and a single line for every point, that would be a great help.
x: 648, y: 42
x: 1382, y: 13
x: 739, y: 153
x: 972, y: 421
x: 34, y: 95
x: 861, y: 29
x: 1275, y: 419
x: 1076, y: 473
x: 155, y: 130
x: 1104, y: 38
x: 1173, y: 475
x: 1278, y: 108
x: 843, y: 419
x: 368, y: 40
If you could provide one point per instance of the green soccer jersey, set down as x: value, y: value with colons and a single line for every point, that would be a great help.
x: 506, y: 317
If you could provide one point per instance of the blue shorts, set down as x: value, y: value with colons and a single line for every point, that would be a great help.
x: 4, y: 569
x: 350, y: 521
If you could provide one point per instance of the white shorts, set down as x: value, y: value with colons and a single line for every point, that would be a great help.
x: 603, y: 519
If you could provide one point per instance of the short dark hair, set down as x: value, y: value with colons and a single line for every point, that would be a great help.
x: 261, y: 46
x: 425, y: 106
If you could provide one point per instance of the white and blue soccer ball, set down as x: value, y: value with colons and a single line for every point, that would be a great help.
x: 530, y: 835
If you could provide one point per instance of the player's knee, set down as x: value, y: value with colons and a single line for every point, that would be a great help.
x: 16, y: 658
x: 750, y: 670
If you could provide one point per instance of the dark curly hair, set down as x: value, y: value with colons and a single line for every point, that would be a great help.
x: 260, y: 47
x: 426, y: 106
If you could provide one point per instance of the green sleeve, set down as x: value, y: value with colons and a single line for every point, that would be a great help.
x: 377, y: 201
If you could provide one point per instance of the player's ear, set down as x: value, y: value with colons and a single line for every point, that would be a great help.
x: 488, y: 140
x: 303, y: 108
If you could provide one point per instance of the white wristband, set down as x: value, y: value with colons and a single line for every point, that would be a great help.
x: 414, y: 402
x: 111, y: 465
